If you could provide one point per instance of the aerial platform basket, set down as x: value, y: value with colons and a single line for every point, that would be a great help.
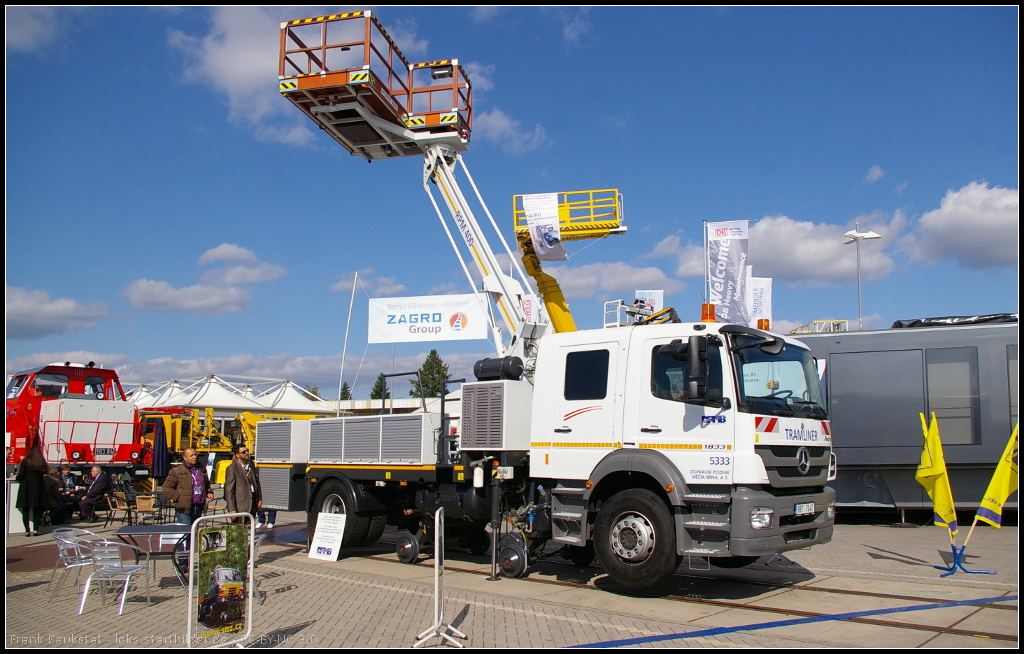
x: 581, y: 215
x: 349, y: 77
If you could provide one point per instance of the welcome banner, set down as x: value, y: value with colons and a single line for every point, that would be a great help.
x: 426, y: 318
x: 727, y: 270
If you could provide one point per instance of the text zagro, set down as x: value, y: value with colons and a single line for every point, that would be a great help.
x: 419, y: 323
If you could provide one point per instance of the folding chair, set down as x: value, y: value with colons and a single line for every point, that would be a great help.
x: 117, y: 503
x: 108, y: 565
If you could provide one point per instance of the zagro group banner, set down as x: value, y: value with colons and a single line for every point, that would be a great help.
x: 426, y: 318
x: 727, y: 270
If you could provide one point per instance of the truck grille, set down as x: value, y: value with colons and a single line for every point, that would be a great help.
x: 781, y: 464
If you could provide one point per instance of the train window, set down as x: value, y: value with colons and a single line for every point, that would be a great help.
x: 15, y: 386
x: 49, y: 385
x: 1011, y: 365
x: 94, y: 386
x: 586, y: 375
x: 952, y: 378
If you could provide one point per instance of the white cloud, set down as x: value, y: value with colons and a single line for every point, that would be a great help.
x: 875, y: 173
x: 898, y: 189
x: 403, y: 31
x: 238, y: 57
x: 373, y: 285
x: 480, y: 75
x: 976, y: 226
x: 615, y: 278
x: 690, y: 257
x: 78, y: 356
x: 484, y: 14
x: 507, y: 132
x: 575, y: 26
x: 228, y: 253
x: 209, y: 300
x: 809, y: 253
x: 222, y: 290
x: 784, y: 326
x: 33, y: 29
x: 33, y: 314
x: 244, y: 275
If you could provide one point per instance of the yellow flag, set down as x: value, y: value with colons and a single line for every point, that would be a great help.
x: 932, y: 475
x: 1002, y: 486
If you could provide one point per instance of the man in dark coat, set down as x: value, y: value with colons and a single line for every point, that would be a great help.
x: 242, y: 484
x: 187, y: 487
x: 97, y: 489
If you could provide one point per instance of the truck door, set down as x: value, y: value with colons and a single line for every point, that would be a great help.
x: 698, y: 435
x: 583, y: 412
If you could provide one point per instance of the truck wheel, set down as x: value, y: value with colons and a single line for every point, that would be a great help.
x: 512, y: 560
x: 581, y: 556
x: 333, y: 497
x: 375, y: 529
x: 635, y: 540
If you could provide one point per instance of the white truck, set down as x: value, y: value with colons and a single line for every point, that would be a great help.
x: 640, y: 445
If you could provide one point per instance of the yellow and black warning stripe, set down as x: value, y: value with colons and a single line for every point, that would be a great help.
x: 447, y: 119
x: 286, y: 85
x: 360, y: 76
x: 431, y: 64
x: 320, y: 19
x: 416, y: 122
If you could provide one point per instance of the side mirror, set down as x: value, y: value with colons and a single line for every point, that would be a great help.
x: 697, y: 354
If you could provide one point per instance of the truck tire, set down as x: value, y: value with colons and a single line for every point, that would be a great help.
x: 635, y: 541
x: 375, y: 529
x: 333, y: 497
x: 580, y: 556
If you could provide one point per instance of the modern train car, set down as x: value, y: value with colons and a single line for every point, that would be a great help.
x: 876, y: 384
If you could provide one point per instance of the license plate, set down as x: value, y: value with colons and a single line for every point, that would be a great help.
x: 803, y: 509
x: 104, y: 451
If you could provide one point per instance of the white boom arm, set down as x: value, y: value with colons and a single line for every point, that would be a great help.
x: 518, y: 306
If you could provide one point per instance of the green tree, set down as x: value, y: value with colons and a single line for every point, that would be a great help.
x: 314, y: 391
x: 380, y: 389
x: 346, y: 392
x: 433, y: 372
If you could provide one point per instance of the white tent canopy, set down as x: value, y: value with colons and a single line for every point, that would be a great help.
x: 216, y: 394
x: 286, y: 397
x: 230, y: 393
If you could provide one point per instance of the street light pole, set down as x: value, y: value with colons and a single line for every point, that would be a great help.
x: 856, y: 236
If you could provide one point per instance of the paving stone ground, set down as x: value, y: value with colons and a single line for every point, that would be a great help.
x: 374, y: 602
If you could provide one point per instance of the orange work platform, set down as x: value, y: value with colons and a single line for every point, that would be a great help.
x: 349, y: 77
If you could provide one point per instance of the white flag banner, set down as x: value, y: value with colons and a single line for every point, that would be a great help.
x: 759, y: 298
x: 541, y: 211
x: 426, y: 318
x: 727, y: 270
x: 654, y: 300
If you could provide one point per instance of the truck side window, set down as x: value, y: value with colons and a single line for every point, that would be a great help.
x: 669, y: 378
x: 586, y: 375
x: 94, y: 386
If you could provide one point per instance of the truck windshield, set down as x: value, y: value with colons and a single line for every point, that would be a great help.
x: 784, y: 384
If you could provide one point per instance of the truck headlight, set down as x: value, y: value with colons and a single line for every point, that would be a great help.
x: 761, y: 517
x: 831, y: 510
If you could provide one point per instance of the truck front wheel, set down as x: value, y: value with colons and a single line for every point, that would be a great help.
x: 635, y: 539
x: 333, y: 497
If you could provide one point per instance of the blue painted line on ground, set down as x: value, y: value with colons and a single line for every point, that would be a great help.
x: 788, y: 623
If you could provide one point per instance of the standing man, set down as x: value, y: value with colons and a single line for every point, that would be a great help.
x: 242, y: 484
x: 188, y: 488
x: 97, y: 489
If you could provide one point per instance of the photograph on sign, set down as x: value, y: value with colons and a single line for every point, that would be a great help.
x: 426, y: 318
x: 541, y: 211
x: 221, y: 582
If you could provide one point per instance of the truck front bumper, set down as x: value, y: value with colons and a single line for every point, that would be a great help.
x: 787, y: 530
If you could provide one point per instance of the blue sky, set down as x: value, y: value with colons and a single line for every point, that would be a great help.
x: 170, y: 215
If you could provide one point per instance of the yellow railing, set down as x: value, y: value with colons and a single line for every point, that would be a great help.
x: 581, y: 214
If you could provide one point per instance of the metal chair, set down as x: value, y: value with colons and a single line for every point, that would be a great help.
x: 71, y: 553
x: 108, y: 566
